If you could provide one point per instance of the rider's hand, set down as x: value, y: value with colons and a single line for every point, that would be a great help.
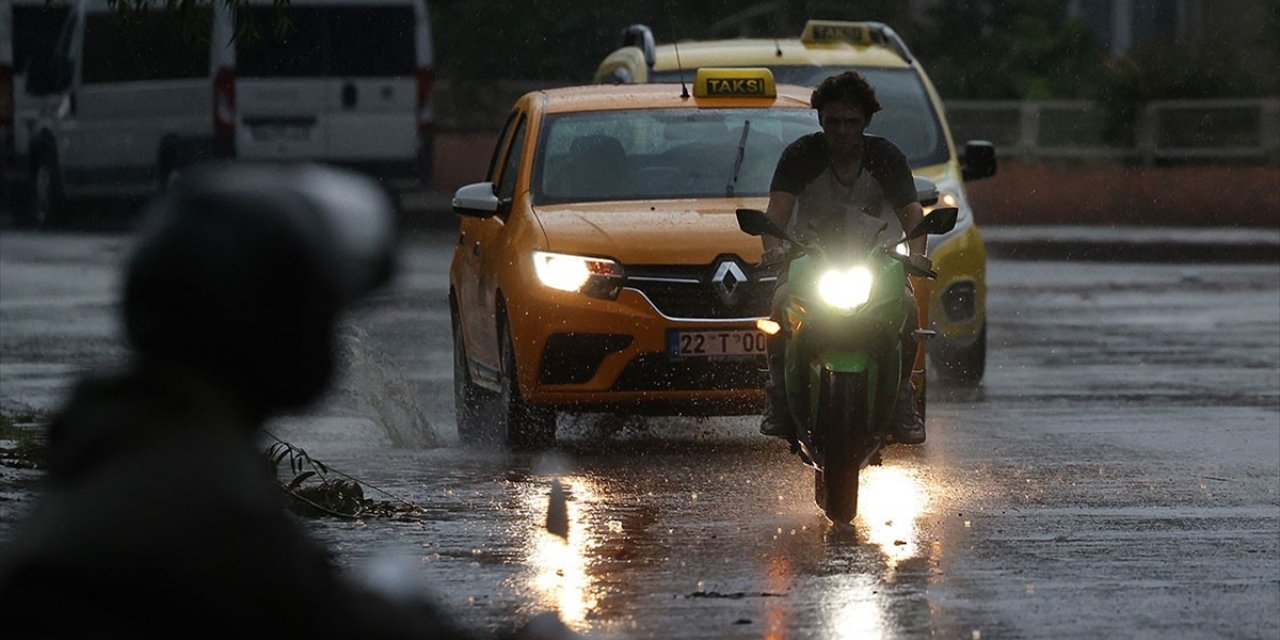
x: 921, y: 261
x: 773, y: 256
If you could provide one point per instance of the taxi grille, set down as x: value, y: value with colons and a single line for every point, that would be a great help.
x: 691, y: 291
x: 661, y: 372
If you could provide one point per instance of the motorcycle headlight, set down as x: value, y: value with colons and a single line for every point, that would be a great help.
x: 845, y: 289
x: 596, y: 277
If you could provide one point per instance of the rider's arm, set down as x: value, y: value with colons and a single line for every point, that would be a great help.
x: 911, y: 215
x: 781, y: 204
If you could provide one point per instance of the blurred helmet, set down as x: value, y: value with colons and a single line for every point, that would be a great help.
x: 241, y: 271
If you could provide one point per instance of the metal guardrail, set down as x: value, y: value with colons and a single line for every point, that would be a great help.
x: 1247, y: 129
x: 1166, y: 130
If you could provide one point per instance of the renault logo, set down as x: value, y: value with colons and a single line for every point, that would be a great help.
x: 727, y: 282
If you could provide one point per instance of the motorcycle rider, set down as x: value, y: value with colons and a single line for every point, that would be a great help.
x: 842, y: 170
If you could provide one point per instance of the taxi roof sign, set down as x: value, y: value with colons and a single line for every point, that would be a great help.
x: 858, y: 34
x: 837, y: 32
x: 742, y: 82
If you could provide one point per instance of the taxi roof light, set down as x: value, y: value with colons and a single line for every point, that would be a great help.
x: 741, y: 82
x: 858, y: 34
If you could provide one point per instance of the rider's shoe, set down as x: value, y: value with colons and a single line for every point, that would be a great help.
x: 777, y: 422
x: 909, y: 428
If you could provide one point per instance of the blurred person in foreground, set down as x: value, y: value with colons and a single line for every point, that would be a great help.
x: 159, y: 517
x: 840, y: 171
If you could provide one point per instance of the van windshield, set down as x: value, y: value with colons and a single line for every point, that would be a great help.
x: 655, y: 154
x: 907, y: 117
x: 371, y: 41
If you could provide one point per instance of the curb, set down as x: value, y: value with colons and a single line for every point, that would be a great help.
x: 1134, y: 244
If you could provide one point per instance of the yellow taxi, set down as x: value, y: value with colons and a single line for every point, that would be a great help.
x: 600, y: 266
x: 912, y: 118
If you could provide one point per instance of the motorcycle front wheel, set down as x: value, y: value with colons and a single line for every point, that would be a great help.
x: 845, y: 419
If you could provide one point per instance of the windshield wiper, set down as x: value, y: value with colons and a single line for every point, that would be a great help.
x: 737, y: 161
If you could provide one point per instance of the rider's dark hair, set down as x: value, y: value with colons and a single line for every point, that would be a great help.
x: 848, y: 87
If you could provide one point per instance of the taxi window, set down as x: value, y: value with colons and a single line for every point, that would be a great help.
x: 907, y: 118
x: 656, y: 154
x: 511, y: 166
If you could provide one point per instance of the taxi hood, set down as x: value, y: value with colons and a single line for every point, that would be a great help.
x: 651, y: 232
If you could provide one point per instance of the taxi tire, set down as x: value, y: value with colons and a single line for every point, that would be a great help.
x: 468, y: 398
x: 964, y: 367
x: 526, y: 426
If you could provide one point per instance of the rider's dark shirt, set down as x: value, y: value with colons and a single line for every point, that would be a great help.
x: 806, y: 159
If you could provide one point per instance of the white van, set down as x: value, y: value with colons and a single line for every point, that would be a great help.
x: 28, y: 29
x: 136, y: 98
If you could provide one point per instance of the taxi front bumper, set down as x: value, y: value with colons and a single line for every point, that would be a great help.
x: 958, y: 300
x: 578, y: 353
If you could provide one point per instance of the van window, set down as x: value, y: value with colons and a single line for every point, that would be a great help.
x: 35, y: 28
x: 330, y: 41
x: 149, y: 45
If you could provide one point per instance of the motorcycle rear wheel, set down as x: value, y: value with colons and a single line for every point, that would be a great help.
x: 846, y: 420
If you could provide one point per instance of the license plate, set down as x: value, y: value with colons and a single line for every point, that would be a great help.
x: 716, y: 342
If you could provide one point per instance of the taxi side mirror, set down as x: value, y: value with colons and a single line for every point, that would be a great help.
x: 926, y: 191
x: 979, y: 160
x: 476, y: 200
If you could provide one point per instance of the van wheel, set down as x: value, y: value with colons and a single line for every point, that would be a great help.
x: 964, y: 367
x: 169, y: 174
x: 47, y: 205
x: 526, y: 425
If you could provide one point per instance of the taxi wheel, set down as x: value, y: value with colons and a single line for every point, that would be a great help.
x: 467, y: 397
x: 966, y: 366
x: 526, y: 425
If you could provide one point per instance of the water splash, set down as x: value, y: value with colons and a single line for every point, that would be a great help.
x: 381, y: 390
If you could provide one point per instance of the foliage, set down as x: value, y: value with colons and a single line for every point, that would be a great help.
x: 313, y: 492
x: 20, y: 447
x: 193, y: 16
x: 1008, y: 49
x: 1168, y: 71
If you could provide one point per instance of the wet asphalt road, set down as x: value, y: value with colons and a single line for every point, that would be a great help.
x: 1118, y: 474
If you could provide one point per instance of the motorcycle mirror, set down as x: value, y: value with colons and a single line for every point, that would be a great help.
x: 755, y: 223
x: 938, y: 221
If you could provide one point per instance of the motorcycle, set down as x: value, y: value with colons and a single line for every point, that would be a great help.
x: 841, y: 326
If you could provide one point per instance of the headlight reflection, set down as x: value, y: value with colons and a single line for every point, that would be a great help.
x: 560, y: 565
x: 891, y: 501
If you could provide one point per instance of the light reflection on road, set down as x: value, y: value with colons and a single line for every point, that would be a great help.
x: 891, y: 501
x: 561, y: 578
x: 860, y: 578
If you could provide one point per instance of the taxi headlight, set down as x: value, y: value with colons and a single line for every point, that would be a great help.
x: 596, y: 277
x: 845, y: 289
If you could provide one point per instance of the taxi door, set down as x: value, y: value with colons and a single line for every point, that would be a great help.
x: 486, y: 253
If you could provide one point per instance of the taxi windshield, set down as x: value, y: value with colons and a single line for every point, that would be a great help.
x: 657, y: 154
x: 907, y: 117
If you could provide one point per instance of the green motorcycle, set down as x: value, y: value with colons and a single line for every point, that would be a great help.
x: 841, y: 326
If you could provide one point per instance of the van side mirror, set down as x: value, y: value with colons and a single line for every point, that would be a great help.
x: 926, y: 191
x: 47, y: 74
x: 979, y: 160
